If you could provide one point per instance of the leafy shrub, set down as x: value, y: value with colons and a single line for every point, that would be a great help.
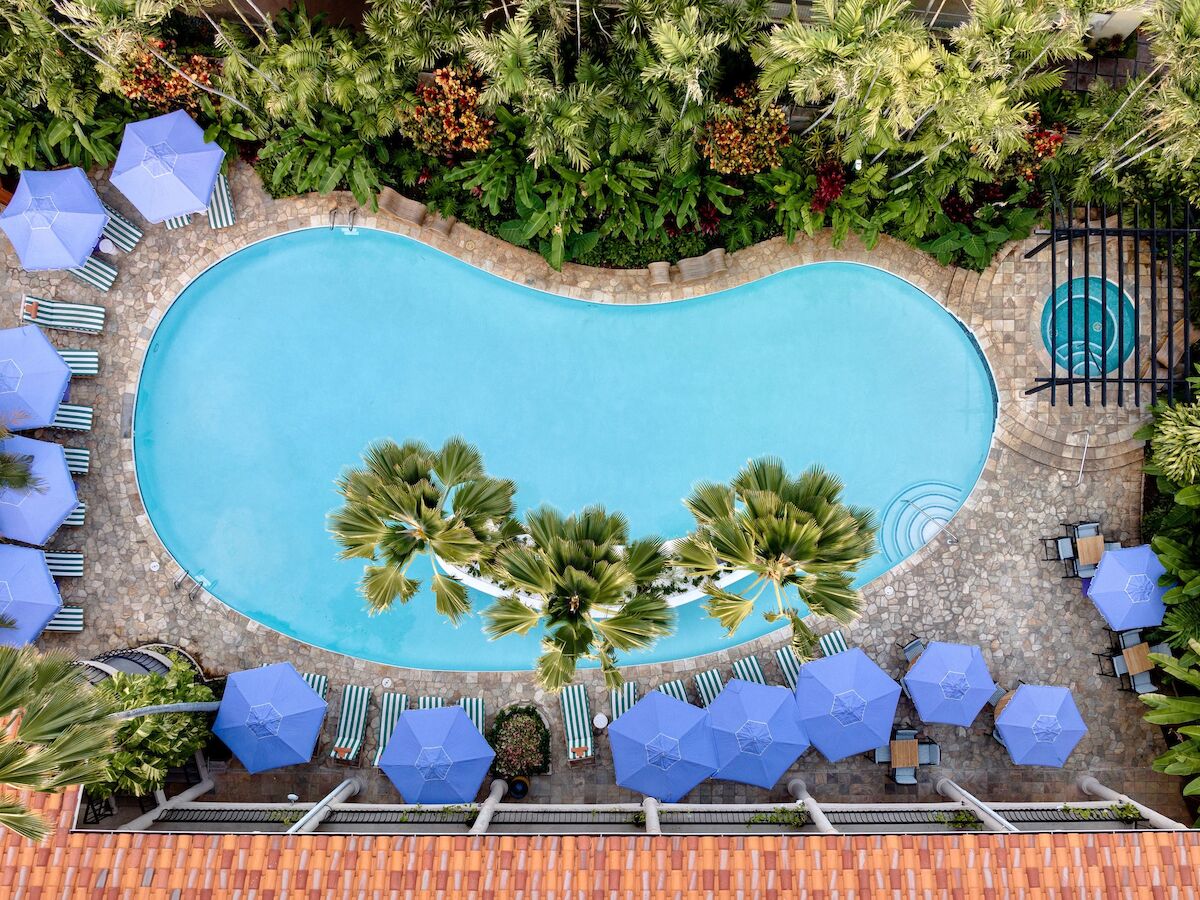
x: 324, y: 157
x: 1174, y: 437
x: 152, y: 83
x: 445, y: 119
x: 521, y: 741
x: 745, y: 139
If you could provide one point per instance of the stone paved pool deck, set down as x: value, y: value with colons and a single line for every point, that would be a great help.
x: 990, y: 588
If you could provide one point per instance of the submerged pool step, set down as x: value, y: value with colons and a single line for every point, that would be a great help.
x: 915, y: 516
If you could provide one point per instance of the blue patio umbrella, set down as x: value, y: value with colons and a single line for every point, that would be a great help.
x: 54, y: 219
x: 1125, y: 588
x: 33, y: 378
x: 662, y: 747
x: 846, y: 703
x: 436, y: 756
x: 269, y: 717
x: 1040, y: 725
x: 28, y: 594
x: 949, y: 683
x: 32, y: 515
x: 165, y: 167
x: 757, y: 732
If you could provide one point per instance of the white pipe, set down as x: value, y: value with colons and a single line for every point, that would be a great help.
x: 484, y: 819
x: 1089, y: 785
x: 992, y: 820
x: 318, y: 813
x: 650, y: 808
x: 142, y: 822
x: 798, y: 789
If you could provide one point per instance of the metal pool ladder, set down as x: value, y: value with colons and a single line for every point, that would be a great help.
x: 951, y: 537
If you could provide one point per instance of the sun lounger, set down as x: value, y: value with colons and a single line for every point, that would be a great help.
x: 475, y: 709
x: 409, y: 211
x: 178, y: 222
x: 75, y: 519
x: 675, y: 689
x: 577, y: 723
x: 834, y: 642
x: 79, y: 460
x: 73, y: 417
x: 430, y: 702
x: 622, y: 698
x: 748, y: 669
x: 62, y: 316
x: 913, y: 649
x: 64, y: 563
x: 220, y: 204
x: 82, y: 363
x: 352, y: 726
x: 708, y: 685
x: 319, y: 683
x: 67, y: 619
x: 95, y: 273
x: 391, y: 705
x: 789, y: 665
x: 123, y: 233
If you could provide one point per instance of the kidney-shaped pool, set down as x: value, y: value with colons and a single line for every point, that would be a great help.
x: 273, y: 370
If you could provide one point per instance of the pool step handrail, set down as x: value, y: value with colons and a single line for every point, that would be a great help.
x: 351, y: 218
x: 333, y: 214
x: 951, y: 537
x: 1087, y: 439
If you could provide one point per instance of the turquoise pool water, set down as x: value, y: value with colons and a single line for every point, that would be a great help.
x: 274, y: 369
x: 1094, y: 329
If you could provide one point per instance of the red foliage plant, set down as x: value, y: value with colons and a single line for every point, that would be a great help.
x: 747, y: 140
x: 445, y: 118
x: 154, y: 84
x: 831, y: 181
x: 1044, y: 143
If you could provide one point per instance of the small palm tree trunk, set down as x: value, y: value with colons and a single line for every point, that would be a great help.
x: 211, y: 706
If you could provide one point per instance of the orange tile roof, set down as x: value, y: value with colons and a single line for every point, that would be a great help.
x: 272, y: 867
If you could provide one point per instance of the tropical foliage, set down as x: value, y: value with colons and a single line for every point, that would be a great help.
x: 1180, y: 712
x: 521, y: 741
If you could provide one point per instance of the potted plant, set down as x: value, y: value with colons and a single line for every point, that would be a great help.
x: 522, y: 743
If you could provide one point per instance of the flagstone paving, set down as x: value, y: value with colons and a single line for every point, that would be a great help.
x: 989, y: 586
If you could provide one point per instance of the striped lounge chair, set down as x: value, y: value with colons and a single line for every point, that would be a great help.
x: 428, y: 702
x: 77, y: 516
x: 748, y: 669
x: 675, y: 689
x: 708, y: 685
x: 789, y: 665
x: 73, y: 417
x: 123, y: 233
x: 64, y: 563
x: 95, y: 273
x: 82, y: 363
x: 832, y: 643
x: 178, y: 221
x: 577, y: 723
x: 352, y: 726
x: 67, y: 619
x: 391, y: 705
x: 79, y: 460
x: 475, y: 710
x: 62, y: 316
x: 220, y: 204
x: 622, y: 698
x: 319, y: 683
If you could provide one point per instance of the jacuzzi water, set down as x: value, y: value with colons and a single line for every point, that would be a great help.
x: 1090, y: 326
x: 274, y: 369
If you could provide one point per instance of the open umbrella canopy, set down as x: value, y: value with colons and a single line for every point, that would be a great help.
x: 436, y: 756
x: 662, y: 747
x: 54, y: 219
x: 33, y: 378
x: 269, y: 717
x: 32, y: 515
x: 165, y: 167
x: 757, y: 732
x: 949, y: 683
x: 1040, y: 725
x: 847, y: 703
x: 28, y: 594
x: 1125, y: 588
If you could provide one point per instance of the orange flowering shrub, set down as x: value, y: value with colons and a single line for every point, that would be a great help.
x: 1044, y: 144
x: 445, y: 119
x: 160, y: 88
x: 748, y: 140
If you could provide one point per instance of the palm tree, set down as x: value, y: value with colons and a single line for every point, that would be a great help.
x: 587, y: 584
x: 789, y: 533
x: 407, y: 501
x: 16, y: 469
x: 57, y: 732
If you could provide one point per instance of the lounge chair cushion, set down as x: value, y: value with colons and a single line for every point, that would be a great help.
x: 430, y: 702
x: 675, y: 689
x: 79, y: 460
x: 95, y: 273
x: 391, y: 706
x: 319, y: 683
x: 82, y: 363
x: 64, y: 563
x: 748, y: 669
x: 475, y: 710
x: 178, y: 221
x: 123, y: 233
x: 352, y: 726
x: 77, y: 516
x: 63, y: 316
x: 834, y: 642
x: 577, y: 722
x: 69, y: 619
x: 708, y: 685
x: 73, y: 417
x: 789, y: 665
x: 220, y: 204
x: 622, y: 698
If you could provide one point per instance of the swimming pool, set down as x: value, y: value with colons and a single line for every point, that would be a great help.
x: 273, y: 370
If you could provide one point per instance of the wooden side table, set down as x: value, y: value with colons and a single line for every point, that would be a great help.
x: 1137, y: 659
x: 905, y: 754
x: 1003, y: 702
x: 1088, y: 550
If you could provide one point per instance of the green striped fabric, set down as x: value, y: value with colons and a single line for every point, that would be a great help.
x: 428, y: 702
x: 63, y: 316
x: 73, y: 417
x: 832, y: 643
x: 391, y: 706
x: 64, y: 563
x: 79, y: 460
x: 81, y: 362
x: 675, y: 689
x: 789, y: 665
x: 318, y: 682
x: 475, y: 709
x: 748, y: 669
x: 352, y: 726
x: 68, y: 618
x: 77, y: 515
x: 577, y: 722
x: 708, y: 685
x: 121, y: 231
x: 622, y: 698
x: 220, y: 204
x: 95, y: 273
x: 179, y: 221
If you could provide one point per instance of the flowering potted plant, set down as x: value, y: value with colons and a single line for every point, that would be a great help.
x: 522, y: 744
